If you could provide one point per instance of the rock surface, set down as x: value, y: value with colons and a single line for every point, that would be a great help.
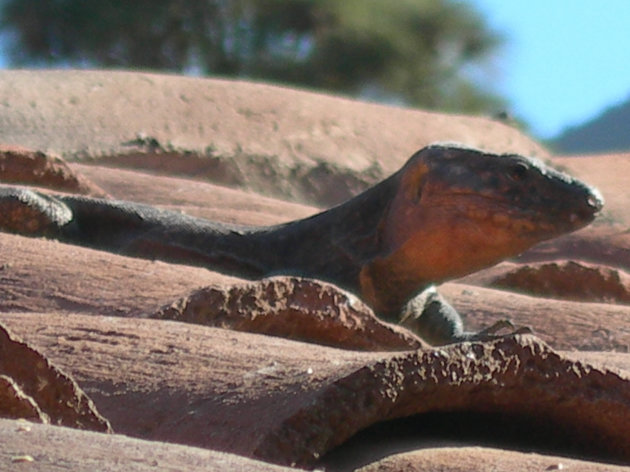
x: 285, y: 143
x: 39, y: 275
x: 292, y: 308
x: 563, y: 324
x: 610, y: 174
x: 264, y: 396
x: 23, y: 166
x: 196, y: 198
x: 568, y: 280
x: 604, y: 244
x: 42, y: 448
x: 461, y: 459
x: 202, y: 386
x: 32, y: 388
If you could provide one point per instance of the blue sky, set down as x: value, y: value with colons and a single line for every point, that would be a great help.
x: 564, y: 61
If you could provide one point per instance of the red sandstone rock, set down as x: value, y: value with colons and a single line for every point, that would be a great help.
x: 267, y: 136
x: 465, y: 459
x: 194, y: 197
x: 571, y: 280
x: 289, y: 402
x: 33, y: 388
x: 42, y: 448
x: 273, y: 140
x: 604, y: 244
x: 563, y: 324
x: 293, y: 308
x: 40, y: 275
x: 568, y: 280
x: 27, y: 167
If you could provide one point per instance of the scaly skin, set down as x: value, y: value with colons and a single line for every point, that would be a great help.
x: 447, y: 212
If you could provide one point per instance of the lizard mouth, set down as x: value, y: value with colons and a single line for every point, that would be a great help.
x: 591, y: 205
x: 523, y: 215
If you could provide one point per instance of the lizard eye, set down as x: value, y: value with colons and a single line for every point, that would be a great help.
x: 518, y: 172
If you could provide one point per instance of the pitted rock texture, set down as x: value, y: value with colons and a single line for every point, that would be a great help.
x: 35, y: 389
x: 517, y: 378
x: 38, y: 275
x: 27, y: 167
x: 571, y: 280
x: 202, y: 386
x: 560, y: 279
x: 293, y: 308
x: 243, y: 392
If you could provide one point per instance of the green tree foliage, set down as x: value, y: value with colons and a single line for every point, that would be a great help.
x: 419, y: 52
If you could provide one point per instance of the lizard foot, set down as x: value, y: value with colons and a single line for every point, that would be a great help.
x: 493, y: 331
x: 30, y: 213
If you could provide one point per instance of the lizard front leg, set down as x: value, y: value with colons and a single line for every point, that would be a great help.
x: 432, y: 318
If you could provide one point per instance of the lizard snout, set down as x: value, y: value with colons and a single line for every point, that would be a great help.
x: 590, y: 203
x: 595, y: 200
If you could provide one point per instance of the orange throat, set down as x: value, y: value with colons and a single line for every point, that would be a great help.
x: 433, y: 247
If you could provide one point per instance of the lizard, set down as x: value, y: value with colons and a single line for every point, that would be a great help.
x: 449, y: 211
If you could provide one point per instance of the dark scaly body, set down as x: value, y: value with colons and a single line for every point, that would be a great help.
x: 449, y: 211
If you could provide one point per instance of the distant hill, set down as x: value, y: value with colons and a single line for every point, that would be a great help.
x: 608, y: 132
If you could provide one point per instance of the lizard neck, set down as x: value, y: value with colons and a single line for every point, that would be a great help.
x: 333, y: 245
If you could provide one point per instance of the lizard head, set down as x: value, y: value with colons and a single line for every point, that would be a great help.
x: 457, y: 210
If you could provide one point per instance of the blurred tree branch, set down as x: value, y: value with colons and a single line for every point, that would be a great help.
x: 412, y: 51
